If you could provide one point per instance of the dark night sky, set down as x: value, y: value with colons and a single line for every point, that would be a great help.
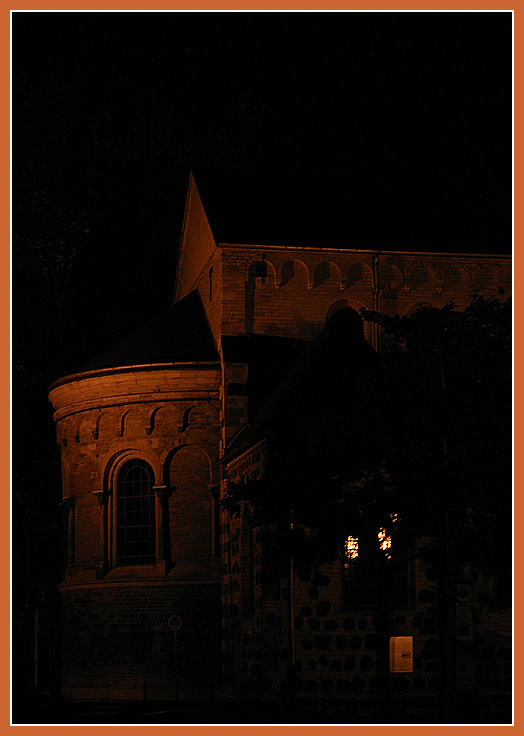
x: 406, y: 116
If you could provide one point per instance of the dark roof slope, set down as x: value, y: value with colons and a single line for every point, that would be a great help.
x: 180, y: 334
x: 324, y: 370
x: 268, y: 357
x: 333, y: 209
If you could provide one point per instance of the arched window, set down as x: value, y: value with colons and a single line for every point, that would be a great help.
x: 374, y: 568
x: 135, y: 514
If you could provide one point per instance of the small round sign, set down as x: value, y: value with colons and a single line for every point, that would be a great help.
x: 175, y: 622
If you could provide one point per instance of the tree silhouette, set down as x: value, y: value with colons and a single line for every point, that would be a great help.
x: 416, y: 443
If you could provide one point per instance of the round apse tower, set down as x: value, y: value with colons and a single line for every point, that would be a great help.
x: 138, y: 433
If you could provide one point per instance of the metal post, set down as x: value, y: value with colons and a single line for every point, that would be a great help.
x: 175, y: 622
x: 291, y: 619
x: 177, y: 693
x: 36, y: 650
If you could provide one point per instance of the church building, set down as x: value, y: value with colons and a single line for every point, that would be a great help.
x: 165, y: 594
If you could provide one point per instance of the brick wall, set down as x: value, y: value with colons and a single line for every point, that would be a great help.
x: 209, y: 286
x: 342, y: 644
x: 178, y: 439
x: 116, y: 641
x: 298, y: 288
x: 117, y: 644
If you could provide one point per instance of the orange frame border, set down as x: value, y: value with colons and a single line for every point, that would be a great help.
x: 237, y: 5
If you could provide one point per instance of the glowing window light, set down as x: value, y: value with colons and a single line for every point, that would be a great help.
x: 384, y: 542
x: 351, y: 548
x: 384, y: 539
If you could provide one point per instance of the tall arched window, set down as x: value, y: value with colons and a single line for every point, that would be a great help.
x: 135, y: 514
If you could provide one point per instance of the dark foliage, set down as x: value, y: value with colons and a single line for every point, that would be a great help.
x: 425, y: 430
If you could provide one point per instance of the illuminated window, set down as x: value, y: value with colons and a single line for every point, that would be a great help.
x: 351, y: 548
x: 384, y: 542
x: 135, y: 514
x: 372, y: 571
x: 384, y: 539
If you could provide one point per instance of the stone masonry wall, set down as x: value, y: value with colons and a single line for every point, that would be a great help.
x: 117, y: 643
x: 290, y: 292
x: 209, y: 287
x: 116, y: 640
x: 179, y: 441
x: 341, y: 643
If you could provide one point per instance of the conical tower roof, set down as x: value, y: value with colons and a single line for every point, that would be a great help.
x: 179, y: 334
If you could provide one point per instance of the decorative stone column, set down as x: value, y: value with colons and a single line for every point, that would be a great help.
x: 215, y: 519
x: 103, y: 502
x: 163, y: 552
x: 68, y: 521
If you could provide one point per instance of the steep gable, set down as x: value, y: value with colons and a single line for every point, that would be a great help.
x: 197, y: 243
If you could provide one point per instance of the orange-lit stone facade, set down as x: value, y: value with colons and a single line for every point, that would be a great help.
x: 177, y: 420
x: 115, y: 618
x: 290, y: 292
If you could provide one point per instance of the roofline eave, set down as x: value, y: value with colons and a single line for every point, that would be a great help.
x: 107, y: 371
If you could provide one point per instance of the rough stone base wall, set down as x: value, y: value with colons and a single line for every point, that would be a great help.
x: 117, y: 643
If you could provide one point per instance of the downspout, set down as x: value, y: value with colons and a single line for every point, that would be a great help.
x: 36, y: 637
x: 291, y: 622
x: 376, y: 303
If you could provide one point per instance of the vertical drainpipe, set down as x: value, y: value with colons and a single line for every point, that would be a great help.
x: 376, y: 304
x: 291, y: 621
x: 36, y: 633
x: 232, y: 623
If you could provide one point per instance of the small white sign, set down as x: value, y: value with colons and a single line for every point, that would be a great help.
x: 401, y: 654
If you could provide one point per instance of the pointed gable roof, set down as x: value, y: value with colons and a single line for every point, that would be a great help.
x: 179, y: 334
x: 197, y: 242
